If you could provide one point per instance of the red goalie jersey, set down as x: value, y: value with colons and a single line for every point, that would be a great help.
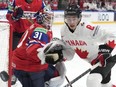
x: 25, y: 55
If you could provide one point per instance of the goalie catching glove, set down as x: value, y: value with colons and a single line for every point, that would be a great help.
x: 57, y: 81
x: 53, y: 58
x: 54, y: 54
x: 51, y: 53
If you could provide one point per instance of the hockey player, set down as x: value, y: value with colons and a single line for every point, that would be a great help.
x: 90, y: 43
x: 22, y: 14
x: 32, y: 69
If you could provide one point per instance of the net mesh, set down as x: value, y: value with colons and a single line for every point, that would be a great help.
x: 5, y: 51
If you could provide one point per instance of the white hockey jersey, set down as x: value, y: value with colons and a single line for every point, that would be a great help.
x: 85, y: 40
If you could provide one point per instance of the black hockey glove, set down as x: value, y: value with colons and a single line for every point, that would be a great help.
x: 54, y: 55
x: 104, y: 55
x: 53, y: 52
x: 19, y: 14
x: 53, y: 58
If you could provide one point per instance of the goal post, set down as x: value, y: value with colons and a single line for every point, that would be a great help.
x: 5, y: 51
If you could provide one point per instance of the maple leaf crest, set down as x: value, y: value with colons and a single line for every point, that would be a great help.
x: 82, y: 54
x: 111, y: 44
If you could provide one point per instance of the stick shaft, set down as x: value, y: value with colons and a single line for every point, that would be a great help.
x: 77, y: 78
x: 69, y: 83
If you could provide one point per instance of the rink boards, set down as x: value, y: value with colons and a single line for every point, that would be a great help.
x: 106, y: 19
x: 101, y: 17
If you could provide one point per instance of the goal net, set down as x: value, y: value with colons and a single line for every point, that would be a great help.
x: 5, y: 51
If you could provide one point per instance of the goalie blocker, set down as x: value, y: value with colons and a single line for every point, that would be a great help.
x: 52, y: 53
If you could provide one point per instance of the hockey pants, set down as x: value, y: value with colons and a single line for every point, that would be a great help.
x: 35, y: 79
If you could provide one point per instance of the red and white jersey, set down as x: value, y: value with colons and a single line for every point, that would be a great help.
x: 25, y: 55
x: 85, y: 40
x: 30, y: 11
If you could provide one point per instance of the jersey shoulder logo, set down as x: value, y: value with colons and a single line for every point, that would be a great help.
x: 90, y: 27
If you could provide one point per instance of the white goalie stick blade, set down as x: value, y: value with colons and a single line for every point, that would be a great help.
x: 4, y: 76
x: 113, y: 53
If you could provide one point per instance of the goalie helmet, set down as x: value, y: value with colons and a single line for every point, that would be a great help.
x: 73, y: 9
x: 46, y: 20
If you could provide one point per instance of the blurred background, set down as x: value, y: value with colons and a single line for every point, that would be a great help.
x: 88, y: 5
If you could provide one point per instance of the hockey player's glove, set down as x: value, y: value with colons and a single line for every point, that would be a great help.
x: 102, y: 58
x: 57, y: 81
x: 18, y: 15
x: 104, y: 55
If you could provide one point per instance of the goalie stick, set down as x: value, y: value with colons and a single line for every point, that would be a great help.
x: 4, y: 76
x: 68, y: 81
x: 113, y: 53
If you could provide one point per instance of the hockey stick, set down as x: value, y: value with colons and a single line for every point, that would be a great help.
x: 68, y: 81
x: 113, y: 53
x: 83, y: 74
x: 4, y: 76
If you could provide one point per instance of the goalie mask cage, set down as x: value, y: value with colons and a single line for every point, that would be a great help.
x: 5, y: 51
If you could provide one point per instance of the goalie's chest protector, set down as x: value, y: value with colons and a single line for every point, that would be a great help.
x: 84, y: 40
